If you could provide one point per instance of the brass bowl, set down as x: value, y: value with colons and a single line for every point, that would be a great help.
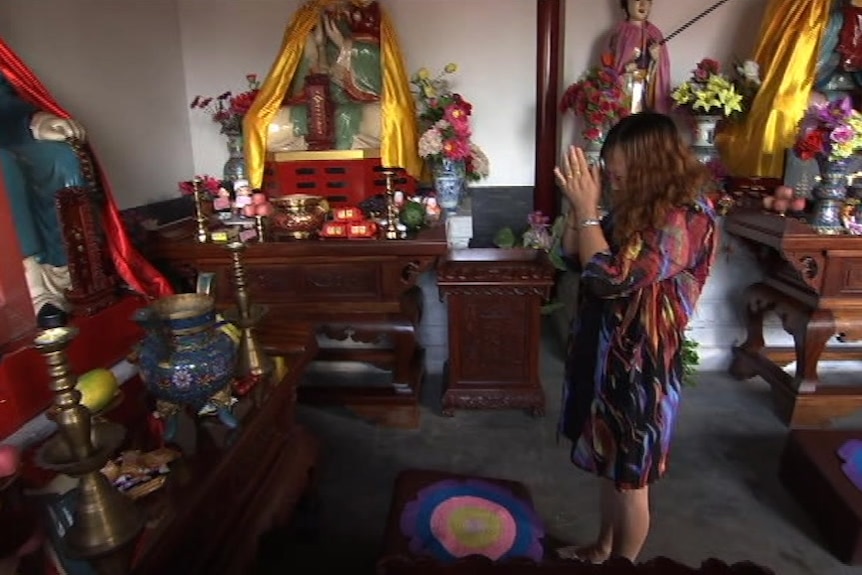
x: 300, y: 215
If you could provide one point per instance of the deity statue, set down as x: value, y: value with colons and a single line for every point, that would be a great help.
x: 641, y: 58
x: 339, y: 83
x: 839, y: 65
x: 36, y: 163
x: 341, y: 64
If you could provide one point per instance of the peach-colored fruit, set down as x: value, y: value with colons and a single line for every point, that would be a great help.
x: 264, y: 209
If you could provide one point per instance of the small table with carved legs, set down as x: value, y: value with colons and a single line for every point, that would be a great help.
x: 813, y: 283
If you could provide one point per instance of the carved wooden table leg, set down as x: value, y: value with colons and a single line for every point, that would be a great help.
x: 810, y: 343
x: 756, y: 306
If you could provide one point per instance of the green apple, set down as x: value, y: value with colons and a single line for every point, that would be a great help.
x: 97, y: 387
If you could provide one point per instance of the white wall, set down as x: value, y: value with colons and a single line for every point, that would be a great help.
x: 129, y: 69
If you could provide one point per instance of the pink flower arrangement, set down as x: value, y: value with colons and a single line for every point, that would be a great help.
x: 444, y: 117
x: 829, y: 130
x: 209, y: 185
x: 598, y: 98
x: 228, y: 109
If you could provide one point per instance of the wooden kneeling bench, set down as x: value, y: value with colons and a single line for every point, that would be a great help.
x: 811, y: 470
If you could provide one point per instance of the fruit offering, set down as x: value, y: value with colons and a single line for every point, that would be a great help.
x: 782, y: 200
x: 259, y: 206
x: 97, y: 387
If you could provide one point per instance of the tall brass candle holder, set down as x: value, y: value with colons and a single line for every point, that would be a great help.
x: 253, y: 364
x: 203, y: 233
x: 391, y: 231
x: 260, y: 228
x: 106, y: 522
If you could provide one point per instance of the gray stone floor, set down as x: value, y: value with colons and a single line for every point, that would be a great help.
x: 720, y: 499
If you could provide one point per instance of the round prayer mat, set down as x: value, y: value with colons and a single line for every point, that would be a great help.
x: 456, y: 518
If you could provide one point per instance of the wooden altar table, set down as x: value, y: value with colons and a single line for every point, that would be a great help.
x: 813, y: 283
x: 233, y: 486
x: 361, y: 295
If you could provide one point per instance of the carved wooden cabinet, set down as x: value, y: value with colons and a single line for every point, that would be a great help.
x: 494, y: 301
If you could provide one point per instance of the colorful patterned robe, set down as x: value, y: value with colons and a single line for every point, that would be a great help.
x: 624, y: 362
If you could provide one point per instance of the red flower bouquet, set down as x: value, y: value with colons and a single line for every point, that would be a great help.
x: 597, y: 98
x: 228, y: 109
x: 209, y: 185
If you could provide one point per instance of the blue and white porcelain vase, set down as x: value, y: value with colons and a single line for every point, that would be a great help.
x: 449, y: 181
x: 234, y: 169
x: 704, y: 127
x: 830, y: 195
x: 185, y: 360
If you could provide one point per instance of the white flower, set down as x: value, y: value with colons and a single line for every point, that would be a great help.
x: 750, y: 70
x: 430, y: 143
x: 481, y: 164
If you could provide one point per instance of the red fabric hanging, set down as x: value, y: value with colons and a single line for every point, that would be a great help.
x: 133, y: 268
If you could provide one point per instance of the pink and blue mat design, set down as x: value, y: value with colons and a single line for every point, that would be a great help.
x: 454, y: 518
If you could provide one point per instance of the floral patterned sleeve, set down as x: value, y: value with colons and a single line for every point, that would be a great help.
x: 684, y: 241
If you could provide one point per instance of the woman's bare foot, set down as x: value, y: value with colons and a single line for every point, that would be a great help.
x: 594, y: 553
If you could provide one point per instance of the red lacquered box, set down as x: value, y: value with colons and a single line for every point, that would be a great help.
x: 343, y: 177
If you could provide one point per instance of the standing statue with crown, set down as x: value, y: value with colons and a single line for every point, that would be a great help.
x: 338, y: 83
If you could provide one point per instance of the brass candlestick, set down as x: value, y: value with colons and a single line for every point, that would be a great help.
x: 253, y: 363
x: 106, y: 522
x: 391, y: 231
x: 203, y: 234
x: 259, y: 228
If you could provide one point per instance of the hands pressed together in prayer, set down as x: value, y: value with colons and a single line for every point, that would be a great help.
x: 581, y: 182
x: 582, y: 185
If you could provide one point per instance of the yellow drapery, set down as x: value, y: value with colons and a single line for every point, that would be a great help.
x: 789, y: 45
x: 399, y: 141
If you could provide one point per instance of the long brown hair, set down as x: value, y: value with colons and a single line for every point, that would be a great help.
x: 661, y: 173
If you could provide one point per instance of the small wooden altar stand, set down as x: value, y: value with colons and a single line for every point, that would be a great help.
x: 813, y: 283
x: 495, y: 298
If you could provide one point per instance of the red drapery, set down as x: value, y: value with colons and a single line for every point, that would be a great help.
x: 131, y: 265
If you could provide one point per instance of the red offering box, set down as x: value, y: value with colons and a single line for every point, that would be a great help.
x: 347, y: 214
x: 343, y: 177
x: 362, y: 230
x: 334, y: 230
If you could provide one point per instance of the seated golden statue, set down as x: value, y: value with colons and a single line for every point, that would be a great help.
x: 339, y: 83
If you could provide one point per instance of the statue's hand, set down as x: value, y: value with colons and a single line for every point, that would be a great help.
x: 654, y: 52
x: 47, y: 126
x: 318, y: 33
x: 333, y: 32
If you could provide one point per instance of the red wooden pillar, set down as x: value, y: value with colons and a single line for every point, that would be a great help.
x: 549, y: 59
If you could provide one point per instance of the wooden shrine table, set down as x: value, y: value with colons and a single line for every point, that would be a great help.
x: 813, y: 283
x: 359, y: 290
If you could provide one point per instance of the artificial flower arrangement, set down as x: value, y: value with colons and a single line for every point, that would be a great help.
x: 708, y: 92
x: 209, y: 184
x: 444, y: 118
x: 829, y: 130
x: 746, y: 78
x: 228, y: 109
x: 598, y: 98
